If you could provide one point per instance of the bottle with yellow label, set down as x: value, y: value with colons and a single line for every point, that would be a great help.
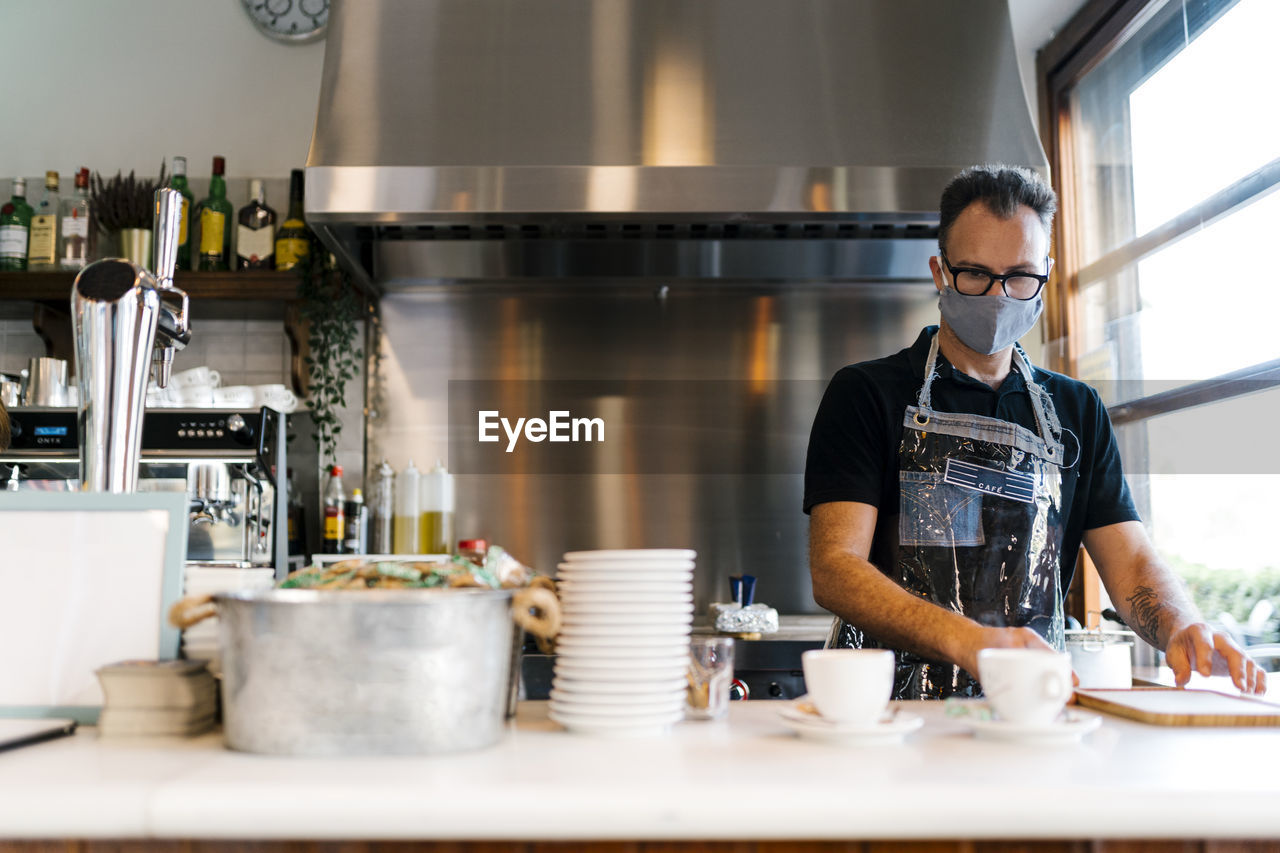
x: 215, y: 222
x: 42, y: 253
x: 179, y: 183
x: 292, y: 240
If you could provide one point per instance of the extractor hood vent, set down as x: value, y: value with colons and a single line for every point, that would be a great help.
x: 676, y: 131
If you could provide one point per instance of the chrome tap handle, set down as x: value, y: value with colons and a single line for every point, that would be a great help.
x: 167, y: 225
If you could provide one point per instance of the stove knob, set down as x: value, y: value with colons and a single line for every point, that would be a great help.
x: 239, y: 430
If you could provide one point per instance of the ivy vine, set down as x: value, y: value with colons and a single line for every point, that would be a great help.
x: 333, y: 308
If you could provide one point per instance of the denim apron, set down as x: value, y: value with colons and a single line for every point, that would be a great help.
x: 979, y: 528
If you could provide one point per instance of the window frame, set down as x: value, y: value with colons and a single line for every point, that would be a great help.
x: 1093, y: 34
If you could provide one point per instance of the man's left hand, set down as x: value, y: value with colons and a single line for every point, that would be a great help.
x: 1199, y: 648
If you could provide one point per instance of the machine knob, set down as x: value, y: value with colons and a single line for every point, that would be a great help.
x: 240, y: 430
x: 15, y: 428
x: 738, y: 689
x: 775, y: 690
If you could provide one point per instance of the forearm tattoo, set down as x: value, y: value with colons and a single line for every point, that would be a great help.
x: 1144, y: 614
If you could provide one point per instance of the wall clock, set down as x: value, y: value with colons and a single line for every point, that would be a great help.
x: 289, y: 21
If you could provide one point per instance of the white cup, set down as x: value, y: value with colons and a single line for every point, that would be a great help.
x: 1025, y: 686
x: 277, y: 397
x: 849, y: 685
x: 196, y: 396
x: 233, y: 397
x: 196, y: 376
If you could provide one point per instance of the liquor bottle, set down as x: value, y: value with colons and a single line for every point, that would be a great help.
x: 292, y: 240
x: 256, y: 232
x: 334, y: 513
x: 77, y: 239
x: 356, y: 538
x: 15, y: 228
x: 435, y: 534
x: 407, y: 522
x: 215, y: 222
x: 42, y: 250
x: 179, y: 183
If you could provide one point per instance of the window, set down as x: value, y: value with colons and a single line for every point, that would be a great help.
x: 1169, y: 155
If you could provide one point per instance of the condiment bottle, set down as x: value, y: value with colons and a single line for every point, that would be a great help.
x: 405, y: 533
x: 334, y: 513
x: 437, y: 511
x: 382, y: 510
x: 356, y: 539
x: 473, y: 550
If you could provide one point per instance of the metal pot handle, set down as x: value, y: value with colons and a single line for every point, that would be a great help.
x: 191, y: 610
x: 537, y: 610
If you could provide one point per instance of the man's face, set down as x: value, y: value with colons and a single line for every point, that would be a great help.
x: 982, y: 240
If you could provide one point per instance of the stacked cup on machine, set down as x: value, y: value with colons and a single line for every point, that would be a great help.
x: 623, y: 651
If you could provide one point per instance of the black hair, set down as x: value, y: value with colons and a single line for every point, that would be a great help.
x: 1002, y: 189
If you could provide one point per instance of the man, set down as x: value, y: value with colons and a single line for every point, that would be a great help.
x: 950, y: 485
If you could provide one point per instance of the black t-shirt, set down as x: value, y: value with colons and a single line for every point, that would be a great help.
x: 853, y: 448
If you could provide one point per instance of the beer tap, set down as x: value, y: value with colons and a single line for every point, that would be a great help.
x: 173, y: 329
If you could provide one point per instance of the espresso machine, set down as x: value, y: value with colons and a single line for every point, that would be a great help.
x: 127, y: 323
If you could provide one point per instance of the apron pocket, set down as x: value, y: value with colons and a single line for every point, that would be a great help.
x: 935, y: 513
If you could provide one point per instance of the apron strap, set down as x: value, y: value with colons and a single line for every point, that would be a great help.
x: 1047, y: 423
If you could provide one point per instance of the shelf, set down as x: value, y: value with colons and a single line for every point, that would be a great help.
x: 51, y: 293
x: 265, y: 286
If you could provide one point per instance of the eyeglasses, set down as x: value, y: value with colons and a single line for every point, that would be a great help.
x: 1017, y: 285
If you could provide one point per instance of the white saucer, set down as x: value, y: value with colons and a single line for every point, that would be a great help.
x: 632, y: 554
x: 568, y: 703
x: 622, y: 635
x: 890, y: 729
x: 592, y: 620
x: 641, y: 726
x: 621, y: 607
x: 605, y: 578
x: 1069, y: 728
x: 626, y: 588
x: 631, y: 674
x: 615, y: 692
x: 590, y: 600
x: 656, y: 659
x: 664, y: 650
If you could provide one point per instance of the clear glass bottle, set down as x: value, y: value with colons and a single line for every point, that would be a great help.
x: 42, y: 250
x: 256, y: 231
x: 15, y: 228
x: 436, y: 507
x: 405, y: 533
x: 382, y: 510
x: 335, y: 500
x: 77, y: 241
x: 179, y: 182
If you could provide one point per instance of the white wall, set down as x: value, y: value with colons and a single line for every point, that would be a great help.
x: 121, y: 84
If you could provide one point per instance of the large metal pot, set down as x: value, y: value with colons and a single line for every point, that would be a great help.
x: 307, y: 672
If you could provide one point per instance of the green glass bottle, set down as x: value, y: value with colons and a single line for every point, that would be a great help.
x: 179, y: 183
x: 215, y: 222
x: 15, y: 228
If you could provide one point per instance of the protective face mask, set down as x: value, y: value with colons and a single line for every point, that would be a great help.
x: 988, y: 324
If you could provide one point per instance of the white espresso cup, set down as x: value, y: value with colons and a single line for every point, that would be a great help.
x: 1025, y: 686
x: 233, y: 397
x: 849, y: 685
x: 277, y: 397
x: 202, y: 376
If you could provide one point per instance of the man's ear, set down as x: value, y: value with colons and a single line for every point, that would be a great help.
x: 935, y: 267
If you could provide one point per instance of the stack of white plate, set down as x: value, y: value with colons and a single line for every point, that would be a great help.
x: 200, y: 641
x: 623, y: 651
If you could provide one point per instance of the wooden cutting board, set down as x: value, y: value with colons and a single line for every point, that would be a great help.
x: 1171, y: 706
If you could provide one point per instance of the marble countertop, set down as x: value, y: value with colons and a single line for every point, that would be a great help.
x: 745, y: 777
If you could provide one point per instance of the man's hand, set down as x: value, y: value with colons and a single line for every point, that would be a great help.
x: 1000, y: 638
x: 1198, y: 647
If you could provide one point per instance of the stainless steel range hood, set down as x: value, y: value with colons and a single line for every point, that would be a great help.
x: 758, y: 139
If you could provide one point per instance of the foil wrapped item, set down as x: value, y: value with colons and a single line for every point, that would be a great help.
x: 733, y: 618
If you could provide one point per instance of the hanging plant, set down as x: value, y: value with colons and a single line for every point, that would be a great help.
x: 333, y: 308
